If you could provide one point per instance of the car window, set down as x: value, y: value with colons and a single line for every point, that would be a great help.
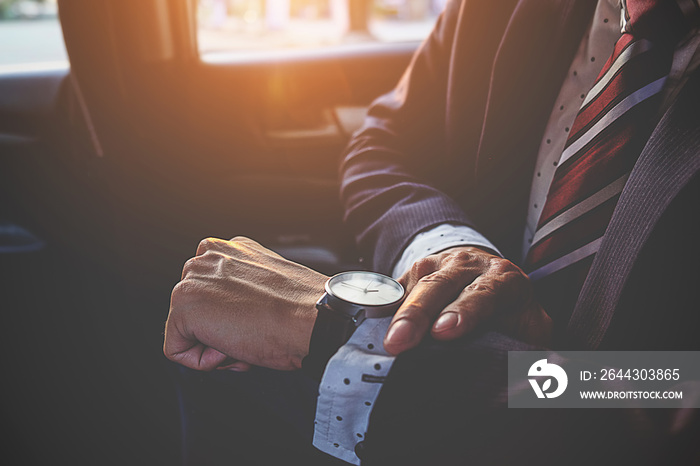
x: 30, y: 36
x: 246, y: 25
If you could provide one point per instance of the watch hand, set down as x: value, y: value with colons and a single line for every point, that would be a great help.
x: 368, y: 285
x: 352, y: 286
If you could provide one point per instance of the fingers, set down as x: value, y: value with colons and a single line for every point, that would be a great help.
x: 181, y: 344
x: 412, y: 320
x: 433, y: 283
x: 183, y: 347
x: 474, y: 305
x: 454, y: 292
x: 192, y: 354
x: 504, y: 291
x: 502, y: 287
x: 238, y: 299
x: 429, y: 296
x: 418, y: 270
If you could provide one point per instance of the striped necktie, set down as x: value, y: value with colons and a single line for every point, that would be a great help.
x: 611, y: 128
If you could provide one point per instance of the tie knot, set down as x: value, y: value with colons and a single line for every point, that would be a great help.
x: 659, y: 20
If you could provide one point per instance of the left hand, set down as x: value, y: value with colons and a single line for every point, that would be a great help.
x: 239, y: 304
x: 455, y: 291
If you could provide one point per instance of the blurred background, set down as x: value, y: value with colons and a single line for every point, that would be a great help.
x: 30, y: 33
x: 173, y: 120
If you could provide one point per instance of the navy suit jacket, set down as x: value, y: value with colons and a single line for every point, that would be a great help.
x: 456, y: 141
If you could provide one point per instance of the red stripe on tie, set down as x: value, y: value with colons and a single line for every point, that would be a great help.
x: 620, y: 46
x: 595, y: 169
x: 574, y: 234
x: 636, y: 76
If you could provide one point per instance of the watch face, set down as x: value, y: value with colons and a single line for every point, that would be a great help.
x: 365, y: 288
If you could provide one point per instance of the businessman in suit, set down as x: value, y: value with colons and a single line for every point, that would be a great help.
x: 459, y: 145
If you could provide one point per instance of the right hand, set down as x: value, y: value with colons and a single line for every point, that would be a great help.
x: 453, y: 292
x: 240, y: 304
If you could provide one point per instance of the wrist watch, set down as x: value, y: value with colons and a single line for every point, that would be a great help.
x: 350, y: 298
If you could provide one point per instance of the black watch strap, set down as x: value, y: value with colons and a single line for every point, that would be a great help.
x: 331, y: 330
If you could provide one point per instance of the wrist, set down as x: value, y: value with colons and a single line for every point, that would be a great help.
x: 329, y: 334
x: 306, y: 327
x: 304, y: 318
x: 350, y: 298
x: 471, y: 250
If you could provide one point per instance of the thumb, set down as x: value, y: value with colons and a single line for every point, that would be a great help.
x: 199, y: 357
x: 189, y: 351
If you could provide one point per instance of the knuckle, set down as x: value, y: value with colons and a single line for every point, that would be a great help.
x: 501, y: 266
x: 513, y: 278
x: 191, y: 261
x: 242, y: 239
x: 207, y: 244
x: 189, y: 265
x: 437, y: 278
x: 201, y: 264
x: 183, y: 291
x: 463, y: 256
x: 510, y: 281
x: 518, y: 278
x: 487, y: 288
x: 507, y: 270
x: 421, y: 268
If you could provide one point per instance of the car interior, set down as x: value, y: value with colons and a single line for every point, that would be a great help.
x: 114, y: 170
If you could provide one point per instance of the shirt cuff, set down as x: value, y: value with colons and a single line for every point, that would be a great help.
x: 350, y: 385
x: 438, y: 239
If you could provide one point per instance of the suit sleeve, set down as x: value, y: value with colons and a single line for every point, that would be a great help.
x: 390, y: 182
x: 446, y: 403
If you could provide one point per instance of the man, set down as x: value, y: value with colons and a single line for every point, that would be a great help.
x: 481, y: 134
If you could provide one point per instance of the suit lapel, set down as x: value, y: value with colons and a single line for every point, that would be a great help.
x: 668, y: 162
x: 531, y: 62
x: 534, y: 55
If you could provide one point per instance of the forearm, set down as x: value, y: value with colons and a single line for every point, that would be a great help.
x: 410, y: 208
x: 393, y: 183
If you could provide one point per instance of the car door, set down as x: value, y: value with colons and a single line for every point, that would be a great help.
x: 148, y: 145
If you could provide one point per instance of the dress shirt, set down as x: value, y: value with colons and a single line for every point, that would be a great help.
x: 364, y: 353
x: 438, y: 239
x: 350, y: 384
